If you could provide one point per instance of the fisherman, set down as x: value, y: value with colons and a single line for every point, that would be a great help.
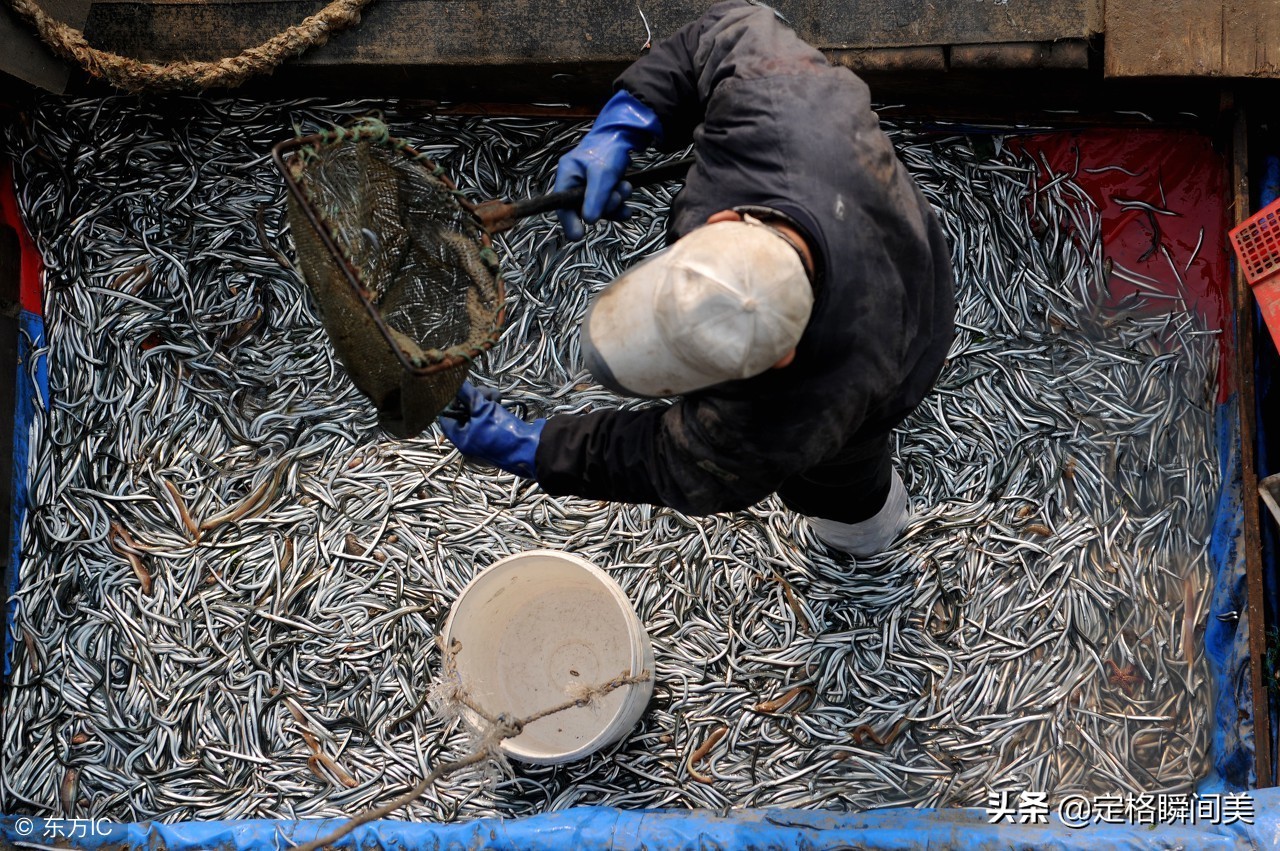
x: 802, y: 309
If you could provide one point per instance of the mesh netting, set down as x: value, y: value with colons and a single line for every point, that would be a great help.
x: 401, y: 270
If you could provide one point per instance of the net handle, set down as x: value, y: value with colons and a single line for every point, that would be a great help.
x: 498, y: 216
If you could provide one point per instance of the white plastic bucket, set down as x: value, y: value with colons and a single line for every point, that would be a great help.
x: 532, y: 627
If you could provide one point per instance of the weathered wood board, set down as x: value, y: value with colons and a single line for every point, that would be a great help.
x: 556, y: 50
x: 482, y: 32
x: 1193, y: 38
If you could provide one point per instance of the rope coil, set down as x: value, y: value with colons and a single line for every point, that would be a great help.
x: 136, y: 76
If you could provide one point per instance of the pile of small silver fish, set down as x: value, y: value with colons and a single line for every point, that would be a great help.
x: 231, y: 580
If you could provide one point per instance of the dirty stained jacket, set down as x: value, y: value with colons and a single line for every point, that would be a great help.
x: 775, y: 126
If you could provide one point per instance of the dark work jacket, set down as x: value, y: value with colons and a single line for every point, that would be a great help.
x: 775, y: 126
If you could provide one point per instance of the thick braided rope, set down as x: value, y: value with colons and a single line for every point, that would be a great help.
x: 135, y: 76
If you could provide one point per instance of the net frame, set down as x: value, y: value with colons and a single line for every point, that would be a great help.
x: 433, y: 360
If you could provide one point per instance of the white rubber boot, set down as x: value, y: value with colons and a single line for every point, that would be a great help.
x: 874, y: 534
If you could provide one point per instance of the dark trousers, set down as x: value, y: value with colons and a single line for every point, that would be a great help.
x: 849, y: 489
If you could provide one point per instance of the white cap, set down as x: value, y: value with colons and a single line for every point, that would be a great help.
x: 726, y: 302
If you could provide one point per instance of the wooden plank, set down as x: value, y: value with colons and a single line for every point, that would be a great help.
x: 1197, y: 38
x: 1251, y: 38
x: 482, y: 33
x: 911, y: 23
x: 10, y: 276
x: 24, y: 56
x: 1163, y: 38
x: 1250, y: 500
x: 889, y: 60
x: 1071, y: 54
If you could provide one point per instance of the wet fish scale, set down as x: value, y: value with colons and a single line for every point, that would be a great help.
x: 989, y: 638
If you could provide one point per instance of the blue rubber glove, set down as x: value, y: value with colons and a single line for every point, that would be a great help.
x: 481, y: 428
x: 601, y: 158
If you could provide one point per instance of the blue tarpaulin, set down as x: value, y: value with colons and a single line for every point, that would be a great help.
x: 32, y: 390
x: 1226, y: 640
x: 624, y: 830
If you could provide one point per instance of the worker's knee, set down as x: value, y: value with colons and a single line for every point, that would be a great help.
x: 872, y: 535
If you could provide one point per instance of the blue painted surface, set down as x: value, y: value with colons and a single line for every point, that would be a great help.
x: 32, y: 389
x: 632, y: 830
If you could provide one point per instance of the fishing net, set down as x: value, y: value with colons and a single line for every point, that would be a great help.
x: 402, y: 271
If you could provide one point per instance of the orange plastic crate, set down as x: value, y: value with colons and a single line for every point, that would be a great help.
x: 1257, y: 244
